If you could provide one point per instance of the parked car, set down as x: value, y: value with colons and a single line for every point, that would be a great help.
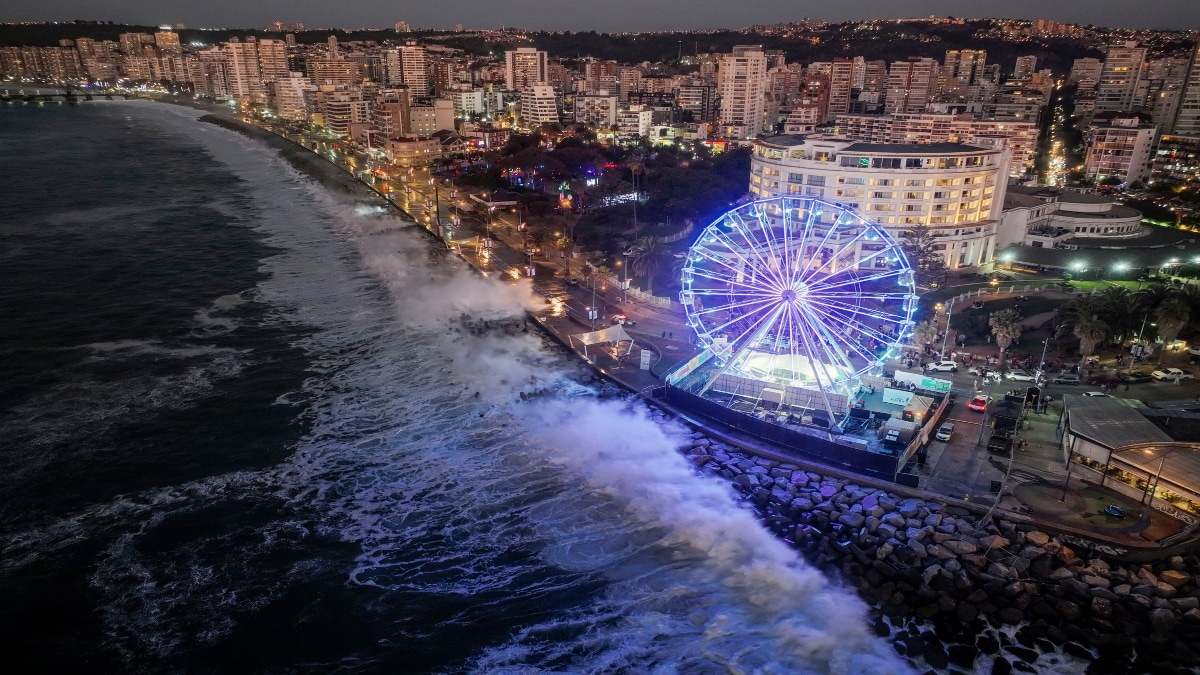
x: 1021, y: 376
x: 1115, y: 511
x: 945, y: 432
x: 978, y: 404
x: 977, y: 305
x: 1066, y: 379
x: 985, y: 372
x: 942, y: 366
x: 572, y: 281
x: 1170, y: 374
x: 1136, y: 378
x: 1095, y: 394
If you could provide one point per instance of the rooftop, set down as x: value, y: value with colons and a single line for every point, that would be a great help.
x: 1111, y: 422
x: 915, y: 148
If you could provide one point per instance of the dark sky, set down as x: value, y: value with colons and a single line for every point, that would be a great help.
x: 598, y: 15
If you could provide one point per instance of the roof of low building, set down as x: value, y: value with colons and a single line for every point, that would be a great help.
x: 1111, y: 422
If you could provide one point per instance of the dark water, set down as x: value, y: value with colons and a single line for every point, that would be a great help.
x: 241, y: 434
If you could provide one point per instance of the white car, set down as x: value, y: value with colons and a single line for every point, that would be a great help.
x: 1096, y: 394
x: 1021, y: 376
x: 1170, y: 374
x: 942, y: 367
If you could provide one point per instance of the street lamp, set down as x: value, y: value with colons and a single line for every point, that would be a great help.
x: 946, y: 335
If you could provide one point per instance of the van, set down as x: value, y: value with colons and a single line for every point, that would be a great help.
x: 945, y: 432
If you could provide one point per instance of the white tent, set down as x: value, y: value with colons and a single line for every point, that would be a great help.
x: 614, y: 333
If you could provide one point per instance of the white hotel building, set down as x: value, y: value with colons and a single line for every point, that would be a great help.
x: 958, y: 190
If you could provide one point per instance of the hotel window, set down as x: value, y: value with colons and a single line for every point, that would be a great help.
x: 816, y: 180
x: 881, y: 195
x: 795, y: 178
x: 916, y: 182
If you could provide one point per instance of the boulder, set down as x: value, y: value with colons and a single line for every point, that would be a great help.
x: 960, y: 547
x: 854, y: 520
x: 1163, y: 620
x: 1101, y: 608
x: 994, y: 541
x: 1011, y: 616
x: 1091, y: 580
x: 963, y: 656
x: 1174, y: 578
x: 1037, y: 538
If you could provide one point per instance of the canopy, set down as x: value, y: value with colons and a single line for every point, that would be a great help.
x: 614, y: 333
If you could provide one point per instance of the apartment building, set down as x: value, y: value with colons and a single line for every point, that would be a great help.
x: 910, y: 85
x: 524, y: 67
x: 1020, y: 138
x: 1118, y: 146
x: 742, y: 83
x: 956, y: 189
x: 1116, y: 88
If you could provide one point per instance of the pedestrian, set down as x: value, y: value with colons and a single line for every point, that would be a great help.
x: 1126, y: 386
x: 1177, y: 378
x: 664, y: 335
x: 671, y: 336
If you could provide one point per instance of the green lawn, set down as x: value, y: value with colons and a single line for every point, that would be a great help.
x: 974, y: 322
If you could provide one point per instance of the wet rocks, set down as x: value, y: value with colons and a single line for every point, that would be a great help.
x: 915, y: 559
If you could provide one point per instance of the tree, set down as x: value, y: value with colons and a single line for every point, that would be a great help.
x: 1091, y: 330
x: 537, y: 236
x: 1173, y: 315
x: 651, y: 258
x: 928, y: 263
x: 564, y: 245
x: 1006, y: 326
x: 925, y: 333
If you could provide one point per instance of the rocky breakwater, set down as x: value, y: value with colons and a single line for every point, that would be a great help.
x: 957, y: 593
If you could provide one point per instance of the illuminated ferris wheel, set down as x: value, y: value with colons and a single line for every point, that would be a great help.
x: 799, y: 292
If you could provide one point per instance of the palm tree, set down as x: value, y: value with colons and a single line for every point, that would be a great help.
x: 1173, y: 315
x: 563, y: 244
x: 925, y: 333
x: 651, y: 258
x: 1090, y: 329
x: 1006, y: 326
x: 1120, y: 310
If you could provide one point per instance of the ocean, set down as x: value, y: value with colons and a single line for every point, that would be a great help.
x: 245, y: 430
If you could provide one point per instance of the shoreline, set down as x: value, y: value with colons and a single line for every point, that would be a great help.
x: 947, y: 589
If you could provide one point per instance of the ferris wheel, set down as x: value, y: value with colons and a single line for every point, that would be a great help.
x: 800, y: 292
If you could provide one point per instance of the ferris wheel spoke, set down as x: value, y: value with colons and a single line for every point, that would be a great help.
x: 817, y: 364
x: 848, y: 246
x: 852, y: 323
x: 731, y: 306
x: 859, y: 309
x: 731, y: 280
x: 870, y: 277
x: 831, y: 342
x: 720, y: 291
x: 849, y: 339
x: 753, y: 247
x: 729, y: 323
x: 740, y: 252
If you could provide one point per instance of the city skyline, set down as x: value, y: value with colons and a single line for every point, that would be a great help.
x: 614, y: 16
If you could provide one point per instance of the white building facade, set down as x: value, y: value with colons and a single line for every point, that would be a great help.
x: 955, y: 189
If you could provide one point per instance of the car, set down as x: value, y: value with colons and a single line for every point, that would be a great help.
x: 1115, y: 511
x: 945, y: 432
x: 984, y: 372
x: 977, y: 305
x: 942, y: 366
x: 1170, y: 374
x: 1136, y: 378
x: 572, y: 281
x: 620, y: 318
x: 978, y: 404
x: 1021, y: 376
x: 1095, y: 394
x: 1067, y: 379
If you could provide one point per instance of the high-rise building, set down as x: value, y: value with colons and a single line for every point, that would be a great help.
x: 288, y: 96
x: 168, y: 42
x: 131, y: 43
x: 964, y: 68
x: 272, y: 60
x: 539, y: 105
x: 743, y: 83
x: 332, y: 48
x: 1118, y: 145
x: 1085, y: 73
x: 245, y: 75
x: 1115, y: 91
x: 524, y: 67
x: 841, y: 83
x: 597, y: 110
x: 699, y: 99
x: 910, y: 85
x: 334, y: 72
x: 415, y: 68
x: 401, y: 27
x: 1187, y: 120
x: 1025, y: 68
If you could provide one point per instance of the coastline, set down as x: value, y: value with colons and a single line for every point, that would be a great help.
x: 954, y: 590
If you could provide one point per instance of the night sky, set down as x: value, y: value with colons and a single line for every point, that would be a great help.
x: 598, y: 15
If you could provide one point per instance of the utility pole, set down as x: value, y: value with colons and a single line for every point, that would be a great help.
x: 1133, y: 357
x: 946, y: 335
x: 1037, y: 378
